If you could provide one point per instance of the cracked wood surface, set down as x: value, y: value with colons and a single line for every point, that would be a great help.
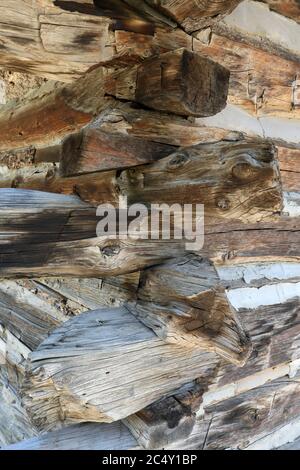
x: 63, y: 367
x: 184, y: 303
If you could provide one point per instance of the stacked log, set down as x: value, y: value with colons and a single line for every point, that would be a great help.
x: 126, y: 343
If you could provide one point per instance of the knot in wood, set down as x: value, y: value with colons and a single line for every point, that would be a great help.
x: 177, y: 161
x: 223, y: 204
x: 112, y: 250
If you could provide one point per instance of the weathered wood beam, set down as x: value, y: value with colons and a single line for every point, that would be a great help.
x: 63, y: 368
x: 25, y: 315
x: 166, y: 421
x: 291, y: 9
x: 126, y: 136
x: 52, y: 111
x: 184, y: 303
x: 96, y: 293
x: 179, y: 82
x: 249, y: 420
x: 261, y: 82
x: 85, y: 436
x: 277, y: 241
x: 62, y: 40
x: 92, y: 150
x: 194, y: 15
x: 289, y: 163
x: 237, y: 180
x: 93, y: 188
x: 55, y: 110
x: 47, y: 234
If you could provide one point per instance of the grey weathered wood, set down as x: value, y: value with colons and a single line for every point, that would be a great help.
x: 15, y: 424
x: 96, y: 293
x: 134, y: 369
x: 243, y: 421
x: 87, y: 436
x: 184, y: 302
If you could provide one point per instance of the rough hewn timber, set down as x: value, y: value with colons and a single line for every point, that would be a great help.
x: 93, y: 150
x: 47, y: 234
x: 289, y: 163
x: 233, y: 180
x: 53, y: 111
x: 179, y: 82
x: 86, y: 436
x: 184, y: 303
x: 236, y: 181
x: 246, y: 421
x: 62, y: 40
x: 134, y: 369
x: 261, y: 82
x: 96, y: 293
x: 194, y: 15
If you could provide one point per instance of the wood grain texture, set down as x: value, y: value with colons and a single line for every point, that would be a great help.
x: 15, y: 425
x: 53, y: 111
x: 194, y: 15
x: 289, y: 163
x: 85, y: 436
x: 179, y: 82
x: 237, y: 180
x: 47, y: 234
x: 241, y: 422
x: 261, y: 82
x: 184, y: 302
x: 93, y: 150
x: 63, y: 367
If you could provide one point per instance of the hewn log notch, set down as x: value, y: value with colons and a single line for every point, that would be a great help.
x: 184, y: 302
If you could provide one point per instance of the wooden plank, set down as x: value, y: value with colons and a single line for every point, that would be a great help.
x: 184, y: 302
x: 102, y: 339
